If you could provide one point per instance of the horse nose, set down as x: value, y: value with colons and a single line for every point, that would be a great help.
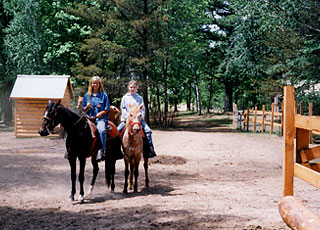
x: 136, y: 128
x: 43, y: 132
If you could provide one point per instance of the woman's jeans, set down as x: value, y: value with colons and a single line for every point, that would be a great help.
x: 101, y: 126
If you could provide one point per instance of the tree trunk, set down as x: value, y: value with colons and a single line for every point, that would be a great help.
x: 158, y: 103
x: 145, y: 95
x: 165, y: 76
x: 197, y: 92
x: 7, y: 106
x: 210, y: 92
x: 189, y: 96
x: 228, y: 96
x: 156, y: 98
x: 8, y: 113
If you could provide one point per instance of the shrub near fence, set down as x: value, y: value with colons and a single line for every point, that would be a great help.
x: 263, y: 118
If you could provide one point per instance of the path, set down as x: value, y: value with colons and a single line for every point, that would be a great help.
x: 213, y: 178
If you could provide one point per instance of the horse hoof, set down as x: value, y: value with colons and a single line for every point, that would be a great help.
x: 81, y: 199
x: 90, y: 190
x: 125, y: 191
x: 112, y: 190
x: 71, y: 198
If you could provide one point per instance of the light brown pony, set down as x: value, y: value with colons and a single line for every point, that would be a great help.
x: 133, y: 148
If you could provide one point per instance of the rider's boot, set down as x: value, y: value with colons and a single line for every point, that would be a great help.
x: 100, y: 155
x: 152, y: 153
x: 148, y: 149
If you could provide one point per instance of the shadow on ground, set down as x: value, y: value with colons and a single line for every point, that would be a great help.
x: 203, y: 123
x: 146, y: 217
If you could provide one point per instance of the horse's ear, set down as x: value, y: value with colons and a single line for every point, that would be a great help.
x: 49, y: 101
x: 58, y: 103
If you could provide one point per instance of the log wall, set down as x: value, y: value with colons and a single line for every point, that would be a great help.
x: 29, y: 113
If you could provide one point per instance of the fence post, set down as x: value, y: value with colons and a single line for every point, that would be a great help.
x: 310, y: 114
x: 289, y: 127
x: 248, y: 114
x: 282, y: 117
x: 262, y: 125
x: 272, y: 117
x: 255, y: 118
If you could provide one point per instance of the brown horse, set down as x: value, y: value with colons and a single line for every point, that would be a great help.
x: 133, y: 147
x: 82, y: 142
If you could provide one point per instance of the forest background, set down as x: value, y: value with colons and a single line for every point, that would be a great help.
x: 206, y: 54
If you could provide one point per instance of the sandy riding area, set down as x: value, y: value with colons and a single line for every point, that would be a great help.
x: 211, y: 177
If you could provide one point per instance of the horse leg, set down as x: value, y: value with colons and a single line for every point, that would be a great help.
x: 113, y: 171
x: 73, y: 167
x: 126, y: 174
x: 110, y: 170
x: 131, y: 175
x: 145, y: 165
x: 81, y: 178
x: 94, y: 174
x: 112, y: 183
x: 136, y: 174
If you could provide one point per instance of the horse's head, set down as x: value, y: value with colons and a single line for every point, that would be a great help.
x: 114, y: 115
x: 134, y: 118
x: 79, y: 103
x: 50, y: 119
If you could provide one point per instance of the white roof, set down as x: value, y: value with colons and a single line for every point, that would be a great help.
x: 40, y: 86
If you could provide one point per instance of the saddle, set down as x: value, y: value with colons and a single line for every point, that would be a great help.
x: 113, y: 140
x: 111, y: 128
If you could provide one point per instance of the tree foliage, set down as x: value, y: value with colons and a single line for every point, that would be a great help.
x: 207, y: 54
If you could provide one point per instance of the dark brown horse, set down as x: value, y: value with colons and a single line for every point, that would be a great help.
x: 82, y: 142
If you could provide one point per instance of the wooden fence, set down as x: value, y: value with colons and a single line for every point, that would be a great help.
x: 297, y: 163
x: 260, y: 117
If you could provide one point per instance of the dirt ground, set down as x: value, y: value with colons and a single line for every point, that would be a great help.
x: 206, y: 176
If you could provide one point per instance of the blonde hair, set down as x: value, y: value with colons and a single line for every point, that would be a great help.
x: 94, y: 78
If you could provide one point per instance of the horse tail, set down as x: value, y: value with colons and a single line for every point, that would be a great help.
x: 110, y: 167
x: 113, y: 154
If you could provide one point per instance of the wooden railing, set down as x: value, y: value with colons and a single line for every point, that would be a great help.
x: 292, y: 211
x: 262, y: 117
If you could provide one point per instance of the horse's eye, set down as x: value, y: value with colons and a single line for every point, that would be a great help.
x: 131, y: 114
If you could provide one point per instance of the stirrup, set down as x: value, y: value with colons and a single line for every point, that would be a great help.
x: 100, y: 155
x: 108, y: 127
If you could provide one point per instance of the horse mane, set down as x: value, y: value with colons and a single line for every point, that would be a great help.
x: 134, y: 109
x: 69, y: 111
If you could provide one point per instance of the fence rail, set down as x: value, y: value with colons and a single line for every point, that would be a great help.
x: 257, y: 117
x: 298, y: 158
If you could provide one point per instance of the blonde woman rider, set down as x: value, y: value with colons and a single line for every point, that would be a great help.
x: 96, y: 104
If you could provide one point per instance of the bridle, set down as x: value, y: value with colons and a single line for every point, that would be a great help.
x: 130, y: 127
x: 131, y: 124
x: 50, y: 119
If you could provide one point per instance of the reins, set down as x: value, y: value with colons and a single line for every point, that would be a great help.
x: 130, y: 127
x: 131, y: 124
